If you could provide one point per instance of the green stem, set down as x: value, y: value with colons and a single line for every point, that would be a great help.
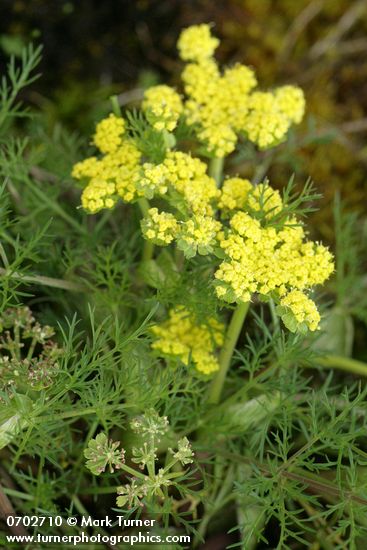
x: 144, y: 206
x: 133, y: 472
x: 343, y: 363
x: 4, y: 256
x: 148, y: 251
x: 216, y: 169
x: 31, y: 348
x: 262, y: 168
x: 225, y: 357
x: 148, y: 247
x: 19, y: 494
x: 222, y: 498
x: 80, y: 412
x: 115, y: 105
x: 17, y: 341
x: 151, y: 462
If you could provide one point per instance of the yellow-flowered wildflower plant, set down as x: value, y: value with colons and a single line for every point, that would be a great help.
x: 257, y: 245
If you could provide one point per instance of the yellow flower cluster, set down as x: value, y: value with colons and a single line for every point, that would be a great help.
x: 184, y: 182
x: 183, y: 337
x: 220, y: 106
x: 196, y: 43
x: 298, y: 312
x: 162, y: 106
x: 234, y: 193
x: 291, y: 102
x: 159, y: 227
x: 270, y: 115
x: 114, y: 175
x: 200, y: 82
x: 87, y: 168
x: 270, y: 261
x: 109, y: 132
x: 198, y: 235
x: 246, y: 226
x: 99, y: 194
x: 183, y: 174
x: 215, y: 103
x: 153, y: 180
x: 223, y: 106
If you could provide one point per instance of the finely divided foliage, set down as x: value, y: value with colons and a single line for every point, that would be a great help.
x: 130, y: 379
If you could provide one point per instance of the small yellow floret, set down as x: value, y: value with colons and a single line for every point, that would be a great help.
x: 184, y: 174
x: 217, y: 105
x: 122, y: 167
x: 163, y: 107
x: 108, y: 135
x: 211, y: 105
x: 220, y: 139
x: 196, y: 43
x: 233, y: 284
x: 153, y: 180
x: 270, y: 115
x: 199, y: 194
x: 205, y: 362
x: 235, y: 86
x: 115, y: 173
x: 240, y: 79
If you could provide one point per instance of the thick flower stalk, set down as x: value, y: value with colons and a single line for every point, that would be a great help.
x: 256, y: 244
